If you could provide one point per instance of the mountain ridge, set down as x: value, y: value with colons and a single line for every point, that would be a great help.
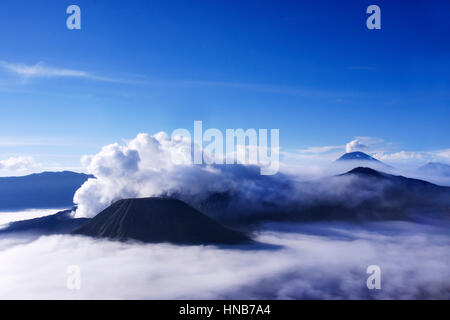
x: 436, y: 168
x: 40, y: 190
x: 59, y: 223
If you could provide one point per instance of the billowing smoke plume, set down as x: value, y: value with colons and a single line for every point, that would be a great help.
x: 355, y: 145
x: 158, y: 165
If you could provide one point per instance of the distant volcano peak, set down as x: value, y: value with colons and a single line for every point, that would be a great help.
x: 436, y: 168
x: 357, y: 155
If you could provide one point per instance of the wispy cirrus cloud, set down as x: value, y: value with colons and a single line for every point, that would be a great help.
x: 321, y: 149
x: 40, y: 70
x: 7, y: 141
x: 417, y: 156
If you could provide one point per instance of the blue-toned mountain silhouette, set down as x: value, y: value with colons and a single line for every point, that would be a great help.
x: 435, y: 169
x: 59, y: 223
x: 367, y: 194
x: 357, y: 155
x: 351, y: 160
x: 41, y: 190
x: 358, y: 195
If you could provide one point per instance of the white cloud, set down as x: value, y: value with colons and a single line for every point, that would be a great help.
x: 17, y: 164
x: 154, y: 165
x: 367, y: 144
x: 444, y: 154
x: 401, y: 155
x: 31, y: 141
x: 7, y: 217
x: 355, y: 145
x: 415, y: 157
x: 39, y: 70
x: 311, y: 261
x: 321, y: 149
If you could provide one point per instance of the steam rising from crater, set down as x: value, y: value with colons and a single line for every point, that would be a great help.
x: 156, y: 165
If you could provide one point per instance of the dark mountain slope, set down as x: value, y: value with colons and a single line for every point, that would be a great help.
x: 42, y: 190
x: 367, y: 194
x: 422, y: 191
x: 158, y: 220
x: 360, y: 194
x: 59, y: 223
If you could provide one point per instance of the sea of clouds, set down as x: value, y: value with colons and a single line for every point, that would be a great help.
x: 308, y: 261
x: 7, y: 217
x: 290, y: 261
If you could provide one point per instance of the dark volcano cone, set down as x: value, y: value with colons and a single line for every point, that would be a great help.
x: 158, y: 220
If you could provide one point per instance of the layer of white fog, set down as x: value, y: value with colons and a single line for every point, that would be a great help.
x: 11, y: 216
x: 307, y: 261
x: 290, y: 261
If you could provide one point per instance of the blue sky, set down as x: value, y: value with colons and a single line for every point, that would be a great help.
x: 310, y: 68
